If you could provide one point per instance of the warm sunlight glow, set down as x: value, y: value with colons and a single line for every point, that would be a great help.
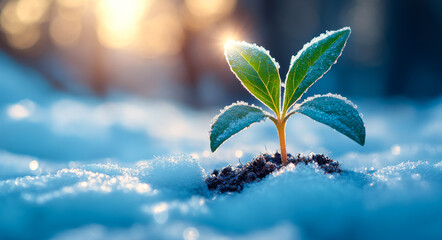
x: 228, y: 42
x: 31, y: 11
x: 9, y: 20
x: 70, y: 13
x: 64, y: 32
x: 118, y: 21
x: 210, y: 8
x: 151, y: 28
x: 25, y: 39
x: 17, y: 21
x: 71, y: 3
x: 228, y: 34
x: 160, y: 33
x: 203, y: 13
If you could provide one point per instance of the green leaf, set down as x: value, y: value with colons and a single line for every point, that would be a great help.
x: 257, y: 71
x: 233, y: 119
x: 312, y: 62
x: 337, y: 112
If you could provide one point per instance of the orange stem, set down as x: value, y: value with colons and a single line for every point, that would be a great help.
x: 280, y: 126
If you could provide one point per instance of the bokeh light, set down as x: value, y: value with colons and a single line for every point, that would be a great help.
x: 25, y: 39
x: 71, y: 12
x: 191, y: 233
x: 65, y: 32
x: 239, y: 153
x: 146, y: 39
x: 150, y: 28
x: 160, y: 212
x: 396, y: 149
x: 21, y: 110
x: 228, y: 33
x: 204, y: 12
x: 118, y: 21
x: 31, y: 11
x: 18, y: 111
x: 9, y: 20
x: 33, y: 165
x: 161, y: 36
x: 20, y: 30
x: 71, y: 3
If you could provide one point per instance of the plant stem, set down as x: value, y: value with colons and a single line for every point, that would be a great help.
x: 280, y: 126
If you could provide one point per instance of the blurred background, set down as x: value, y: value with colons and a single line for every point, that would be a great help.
x: 173, y: 49
x: 129, y: 79
x: 89, y: 89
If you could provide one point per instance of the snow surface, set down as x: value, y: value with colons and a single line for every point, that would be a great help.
x: 124, y: 168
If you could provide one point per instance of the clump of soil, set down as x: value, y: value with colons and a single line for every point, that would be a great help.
x: 233, y: 179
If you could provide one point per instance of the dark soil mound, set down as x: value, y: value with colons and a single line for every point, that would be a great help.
x: 233, y: 179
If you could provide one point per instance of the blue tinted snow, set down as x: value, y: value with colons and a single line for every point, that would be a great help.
x: 83, y: 168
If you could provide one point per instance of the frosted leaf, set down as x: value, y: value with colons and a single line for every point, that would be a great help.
x: 233, y: 119
x: 312, y: 62
x: 337, y: 112
x: 257, y: 71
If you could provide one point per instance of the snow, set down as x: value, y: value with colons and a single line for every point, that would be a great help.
x: 76, y: 167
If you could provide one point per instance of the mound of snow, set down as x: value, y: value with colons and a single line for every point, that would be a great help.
x: 178, y: 174
x: 166, y: 198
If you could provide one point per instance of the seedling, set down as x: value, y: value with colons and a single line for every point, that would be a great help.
x: 259, y: 74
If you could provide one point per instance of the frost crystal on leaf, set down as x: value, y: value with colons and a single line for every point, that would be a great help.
x: 312, y: 62
x: 254, y: 46
x: 336, y: 112
x: 257, y: 71
x: 232, y: 120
